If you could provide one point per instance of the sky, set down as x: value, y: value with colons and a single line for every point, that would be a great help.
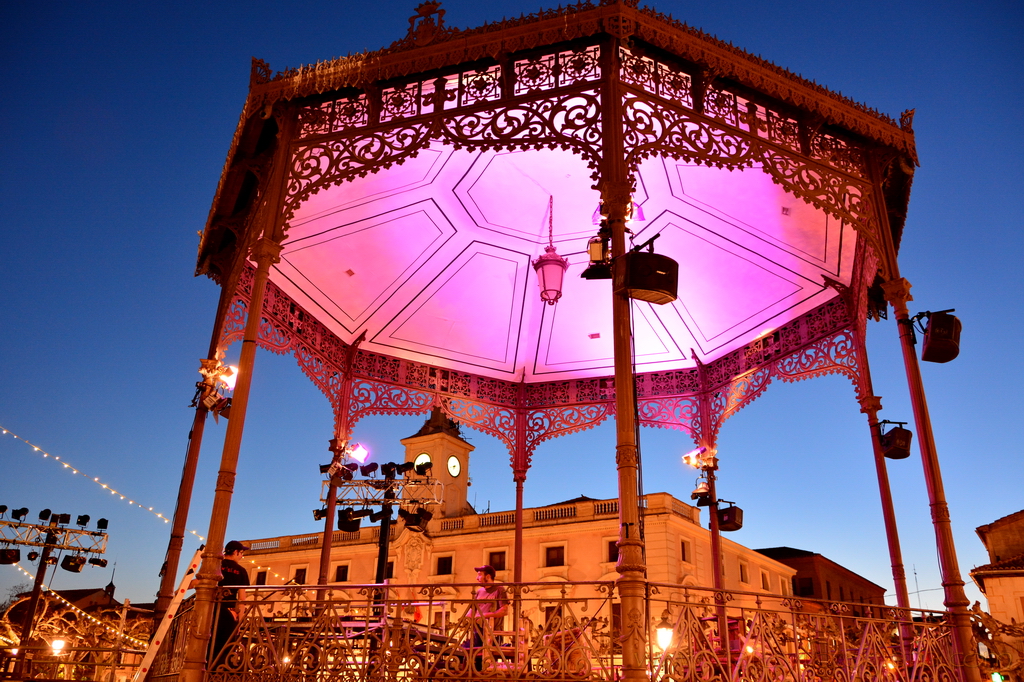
x: 117, y: 119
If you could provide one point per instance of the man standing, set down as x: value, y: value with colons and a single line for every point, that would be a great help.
x: 489, y: 606
x: 234, y: 576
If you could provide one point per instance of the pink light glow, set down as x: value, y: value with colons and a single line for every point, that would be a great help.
x: 357, y: 452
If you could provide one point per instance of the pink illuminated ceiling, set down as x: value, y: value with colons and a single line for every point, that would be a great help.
x: 432, y: 260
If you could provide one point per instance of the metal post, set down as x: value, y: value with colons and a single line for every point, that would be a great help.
x: 33, y: 603
x: 337, y: 447
x: 385, y: 536
x: 897, y: 292
x: 180, y: 520
x: 716, y: 560
x: 265, y: 252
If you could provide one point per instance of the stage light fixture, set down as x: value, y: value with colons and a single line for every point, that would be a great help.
x: 83, y: 520
x: 416, y: 521
x: 63, y: 519
x: 423, y: 468
x: 319, y: 514
x: 941, y: 337
x: 3, y: 509
x: 598, y: 253
x: 730, y: 518
x: 44, y: 515
x: 73, y: 563
x: 32, y: 556
x: 19, y: 514
x: 368, y: 469
x: 896, y: 442
x: 379, y: 515
x: 357, y: 452
x: 405, y: 467
x: 96, y: 561
x: 388, y: 469
x: 325, y: 468
x: 702, y: 490
x: 695, y: 457
x: 10, y: 556
x: 102, y: 524
x: 347, y: 521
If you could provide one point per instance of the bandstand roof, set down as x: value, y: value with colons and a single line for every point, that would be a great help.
x: 427, y: 253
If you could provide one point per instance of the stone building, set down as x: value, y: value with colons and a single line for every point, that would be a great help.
x: 1002, y: 580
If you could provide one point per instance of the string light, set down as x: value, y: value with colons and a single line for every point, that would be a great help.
x: 94, y: 479
x: 138, y: 642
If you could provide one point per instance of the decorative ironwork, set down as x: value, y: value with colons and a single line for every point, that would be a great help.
x: 542, y: 425
x: 335, y: 116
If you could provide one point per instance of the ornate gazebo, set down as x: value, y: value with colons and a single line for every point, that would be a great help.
x: 379, y: 216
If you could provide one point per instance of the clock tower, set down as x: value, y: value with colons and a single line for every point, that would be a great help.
x: 439, y: 441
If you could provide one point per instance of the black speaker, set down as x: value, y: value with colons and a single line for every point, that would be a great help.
x: 941, y: 338
x: 646, y: 276
x: 896, y: 443
x: 730, y: 518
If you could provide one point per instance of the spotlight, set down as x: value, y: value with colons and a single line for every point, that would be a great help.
x: 358, y: 453
x: 695, y: 458
x: 19, y: 514
x: 368, y: 469
x: 896, y: 443
x: 941, y: 337
x: 325, y: 468
x: 377, y: 516
x: 51, y: 561
x: 347, y: 521
x: 597, y: 251
x: 63, y: 519
x: 102, y: 524
x: 423, y: 468
x: 96, y: 561
x: 702, y: 490
x: 388, y: 469
x: 3, y: 509
x: 730, y: 518
x: 404, y: 468
x: 10, y: 556
x: 416, y: 521
x: 44, y: 515
x: 32, y: 556
x: 83, y: 520
x: 73, y: 563
x: 319, y: 514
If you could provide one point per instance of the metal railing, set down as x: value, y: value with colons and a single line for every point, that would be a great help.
x: 566, y: 631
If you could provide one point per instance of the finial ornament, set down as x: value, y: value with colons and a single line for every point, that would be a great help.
x: 424, y: 27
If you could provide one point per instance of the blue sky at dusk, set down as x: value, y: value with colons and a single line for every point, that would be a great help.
x: 117, y: 118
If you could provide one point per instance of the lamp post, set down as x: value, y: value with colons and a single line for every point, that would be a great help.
x: 707, y: 496
x: 51, y: 534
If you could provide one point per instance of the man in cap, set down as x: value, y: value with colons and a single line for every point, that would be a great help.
x: 233, y: 577
x: 489, y: 606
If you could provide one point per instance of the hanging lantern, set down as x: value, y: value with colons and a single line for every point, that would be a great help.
x: 550, y: 267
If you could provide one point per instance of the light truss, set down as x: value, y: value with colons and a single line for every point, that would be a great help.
x: 33, y: 535
x: 371, y: 492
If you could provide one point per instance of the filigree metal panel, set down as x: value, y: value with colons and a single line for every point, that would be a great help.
x: 566, y: 631
x: 819, y: 343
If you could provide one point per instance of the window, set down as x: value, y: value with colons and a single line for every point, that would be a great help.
x: 444, y: 565
x: 744, y: 578
x: 684, y: 551
x: 389, y: 572
x: 613, y: 550
x: 828, y: 590
x: 300, y: 576
x: 261, y: 578
x: 765, y: 581
x: 496, y: 560
x: 842, y: 593
x: 341, y: 574
x: 803, y: 587
x: 554, y: 556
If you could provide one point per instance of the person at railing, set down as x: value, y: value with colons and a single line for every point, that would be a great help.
x: 490, y: 604
x: 234, y: 577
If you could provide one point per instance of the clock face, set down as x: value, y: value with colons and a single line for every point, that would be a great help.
x: 454, y: 466
x: 422, y: 458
